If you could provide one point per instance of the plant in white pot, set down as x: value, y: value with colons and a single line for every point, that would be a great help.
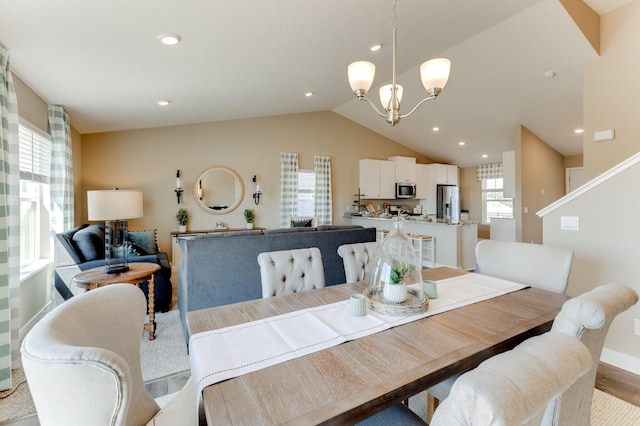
x: 395, y: 291
x: 182, y: 217
x: 249, y: 216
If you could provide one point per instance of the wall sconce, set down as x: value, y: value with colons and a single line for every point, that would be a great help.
x: 256, y: 191
x: 178, y: 189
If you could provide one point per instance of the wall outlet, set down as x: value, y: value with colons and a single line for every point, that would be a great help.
x: 637, y: 326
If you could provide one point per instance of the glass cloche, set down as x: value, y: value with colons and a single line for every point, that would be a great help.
x: 395, y: 286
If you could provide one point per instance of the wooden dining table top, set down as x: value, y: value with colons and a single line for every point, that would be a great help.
x: 350, y: 382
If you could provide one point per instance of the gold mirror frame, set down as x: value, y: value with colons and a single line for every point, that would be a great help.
x: 203, y: 188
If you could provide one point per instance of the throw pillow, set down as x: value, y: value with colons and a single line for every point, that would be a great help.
x: 144, y: 241
x: 302, y: 223
x: 131, y: 249
x: 90, y: 242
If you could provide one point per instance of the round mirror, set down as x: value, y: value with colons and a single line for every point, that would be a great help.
x: 218, y: 190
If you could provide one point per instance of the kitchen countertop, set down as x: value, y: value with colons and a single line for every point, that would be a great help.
x: 410, y: 219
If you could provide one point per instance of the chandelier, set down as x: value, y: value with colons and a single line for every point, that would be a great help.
x: 434, y: 74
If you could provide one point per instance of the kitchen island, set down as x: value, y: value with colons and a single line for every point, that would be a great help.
x: 454, y: 244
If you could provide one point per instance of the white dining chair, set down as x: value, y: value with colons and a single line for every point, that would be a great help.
x: 82, y: 364
x: 587, y: 317
x: 514, y: 387
x: 536, y: 265
x: 359, y: 260
x: 290, y: 271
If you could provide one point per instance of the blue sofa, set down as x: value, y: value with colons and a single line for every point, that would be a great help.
x: 220, y: 269
x: 82, y: 248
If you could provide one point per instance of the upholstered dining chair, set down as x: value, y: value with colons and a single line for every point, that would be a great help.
x: 535, y: 265
x: 290, y: 271
x: 588, y: 318
x: 359, y: 260
x: 514, y: 387
x: 82, y: 363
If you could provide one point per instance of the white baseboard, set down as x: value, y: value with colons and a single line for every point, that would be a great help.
x: 620, y: 360
x: 37, y: 317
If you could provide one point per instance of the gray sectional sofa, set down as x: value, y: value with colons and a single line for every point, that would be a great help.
x: 222, y: 268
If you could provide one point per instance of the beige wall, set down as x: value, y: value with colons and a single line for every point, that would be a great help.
x: 612, y: 92
x: 541, y: 182
x: 606, y: 250
x: 573, y: 161
x: 147, y: 159
x: 470, y: 193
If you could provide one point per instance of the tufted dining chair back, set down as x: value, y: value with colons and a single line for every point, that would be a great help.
x: 514, y: 387
x: 359, y: 260
x: 82, y: 363
x: 586, y: 317
x: 536, y: 265
x: 290, y: 271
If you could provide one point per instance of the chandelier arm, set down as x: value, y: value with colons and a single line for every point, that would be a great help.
x: 417, y: 106
x: 364, y: 98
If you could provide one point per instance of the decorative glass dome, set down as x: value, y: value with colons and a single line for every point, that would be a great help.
x: 396, y: 283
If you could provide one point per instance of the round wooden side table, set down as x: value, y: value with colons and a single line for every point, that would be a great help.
x: 137, y: 274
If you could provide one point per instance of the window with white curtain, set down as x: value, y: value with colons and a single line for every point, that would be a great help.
x: 306, y: 193
x: 35, y: 162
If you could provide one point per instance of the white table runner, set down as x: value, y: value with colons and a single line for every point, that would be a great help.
x: 229, y: 352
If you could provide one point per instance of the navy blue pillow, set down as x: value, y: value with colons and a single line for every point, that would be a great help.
x: 90, y: 242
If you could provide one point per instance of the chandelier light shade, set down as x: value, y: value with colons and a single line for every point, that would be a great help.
x: 115, y: 207
x: 434, y: 74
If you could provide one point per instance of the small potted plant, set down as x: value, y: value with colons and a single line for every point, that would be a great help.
x: 249, y: 216
x: 182, y: 217
x: 395, y: 291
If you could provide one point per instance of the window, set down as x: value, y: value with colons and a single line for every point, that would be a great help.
x: 306, y: 193
x: 493, y: 202
x: 35, y: 161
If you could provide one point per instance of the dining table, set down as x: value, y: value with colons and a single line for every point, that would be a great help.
x: 351, y: 381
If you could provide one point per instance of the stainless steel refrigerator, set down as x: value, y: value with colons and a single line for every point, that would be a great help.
x: 448, y: 206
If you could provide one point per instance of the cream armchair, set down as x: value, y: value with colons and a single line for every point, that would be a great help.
x: 82, y: 363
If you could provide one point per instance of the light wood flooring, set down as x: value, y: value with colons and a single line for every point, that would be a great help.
x: 619, y: 383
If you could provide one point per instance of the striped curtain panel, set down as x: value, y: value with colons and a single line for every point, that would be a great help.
x: 9, y: 225
x: 288, y: 187
x: 323, y: 204
x: 61, y: 174
x: 489, y: 171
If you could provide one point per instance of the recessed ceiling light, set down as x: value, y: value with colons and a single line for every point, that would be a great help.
x: 309, y: 94
x: 484, y: 155
x: 375, y: 47
x: 163, y: 102
x: 461, y: 143
x: 169, y: 39
x: 435, y: 129
x: 578, y: 131
x: 550, y: 74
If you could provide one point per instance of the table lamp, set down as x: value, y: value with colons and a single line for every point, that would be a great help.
x: 115, y: 207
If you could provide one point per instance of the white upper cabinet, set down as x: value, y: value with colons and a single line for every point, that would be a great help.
x: 405, y: 169
x: 377, y: 179
x: 422, y: 181
x: 445, y: 174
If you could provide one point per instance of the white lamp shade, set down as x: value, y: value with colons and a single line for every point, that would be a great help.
x: 114, y: 204
x: 361, y: 75
x: 386, y: 92
x: 435, y: 73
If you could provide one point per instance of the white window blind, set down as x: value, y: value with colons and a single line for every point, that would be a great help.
x: 306, y: 192
x: 35, y: 155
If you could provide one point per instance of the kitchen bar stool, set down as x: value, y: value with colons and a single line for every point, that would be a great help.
x: 423, y: 244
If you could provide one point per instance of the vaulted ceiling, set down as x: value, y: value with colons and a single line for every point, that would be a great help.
x: 103, y: 62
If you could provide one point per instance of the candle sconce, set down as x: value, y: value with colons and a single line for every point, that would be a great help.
x: 256, y: 191
x: 179, y: 190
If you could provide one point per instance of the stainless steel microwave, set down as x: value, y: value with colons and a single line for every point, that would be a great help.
x: 405, y: 190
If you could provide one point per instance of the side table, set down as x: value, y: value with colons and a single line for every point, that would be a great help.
x: 137, y: 274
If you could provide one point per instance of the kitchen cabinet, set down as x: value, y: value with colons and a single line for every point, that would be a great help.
x: 405, y: 169
x: 377, y: 179
x: 446, y: 174
x: 422, y: 181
